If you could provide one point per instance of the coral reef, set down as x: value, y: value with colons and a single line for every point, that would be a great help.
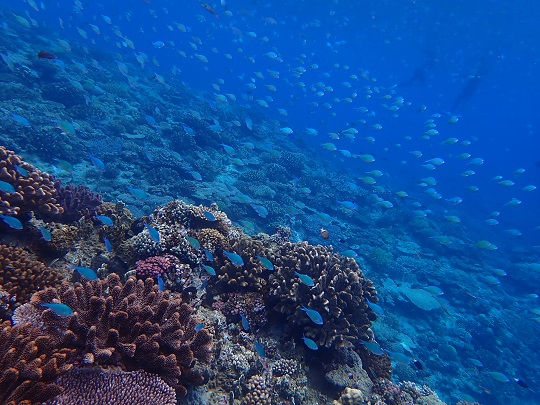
x: 34, y: 190
x: 94, y: 386
x: 29, y: 364
x: 156, y: 265
x: 133, y: 325
x: 259, y: 391
x: 21, y: 275
x: 76, y: 201
x: 339, y: 293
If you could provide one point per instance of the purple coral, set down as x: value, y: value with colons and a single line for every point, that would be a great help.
x: 152, y: 266
x: 77, y: 201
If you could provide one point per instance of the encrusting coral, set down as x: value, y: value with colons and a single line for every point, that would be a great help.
x: 132, y: 325
x: 29, y: 365
x: 21, y: 275
x: 34, y: 190
x: 94, y: 386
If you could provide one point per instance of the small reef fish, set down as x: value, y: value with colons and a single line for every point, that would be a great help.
x: 98, y: 163
x: 160, y: 283
x: 198, y: 327
x: 235, y: 258
x: 46, y: 55
x: 23, y: 172
x: 305, y: 279
x: 310, y: 343
x: 209, y: 8
x: 245, y: 322
x: 498, y: 376
x: 375, y: 308
x: 108, y: 245
x: 86, y: 272
x: 260, y: 349
x: 313, y: 315
x: 12, y: 222
x: 209, y: 216
x: 209, y: 255
x: 153, y: 232
x: 209, y: 269
x: 196, y: 175
x: 58, y: 308
x: 324, y: 233
x: 194, y: 243
x: 6, y: 187
x: 45, y: 234
x: 21, y: 120
x: 373, y: 347
x: 105, y: 220
x: 267, y: 264
x: 138, y: 193
x: 399, y: 357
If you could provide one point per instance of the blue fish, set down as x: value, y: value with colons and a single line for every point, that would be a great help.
x: 21, y: 120
x: 209, y: 216
x: 245, y: 323
x: 304, y: 278
x: 203, y: 285
x: 267, y: 264
x: 198, y: 327
x: 375, y: 308
x: 194, y: 243
x: 138, y: 193
x: 12, y: 222
x: 45, y: 233
x: 260, y: 210
x: 313, y: 315
x: 108, y: 245
x: 86, y: 272
x: 6, y: 187
x: 310, y: 343
x: 58, y: 309
x: 98, y: 163
x: 260, y: 349
x: 235, y: 258
x: 153, y: 232
x: 188, y: 130
x: 209, y: 255
x: 373, y: 347
x: 23, y: 172
x: 160, y: 283
x: 105, y: 220
x: 151, y: 120
x: 210, y: 270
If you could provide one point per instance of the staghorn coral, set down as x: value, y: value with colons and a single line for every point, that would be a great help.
x: 29, y: 364
x: 94, y: 386
x: 35, y: 192
x: 21, y: 275
x: 339, y: 293
x: 133, y: 325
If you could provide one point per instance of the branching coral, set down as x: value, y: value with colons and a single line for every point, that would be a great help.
x: 339, y: 293
x: 29, y: 364
x: 76, y: 201
x: 21, y: 275
x: 133, y: 325
x: 34, y: 190
x: 94, y: 386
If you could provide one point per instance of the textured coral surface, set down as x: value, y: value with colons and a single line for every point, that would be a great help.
x: 133, y: 325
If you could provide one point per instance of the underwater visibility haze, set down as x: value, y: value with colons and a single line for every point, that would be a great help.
x: 253, y: 202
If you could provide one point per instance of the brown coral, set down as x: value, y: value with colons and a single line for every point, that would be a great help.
x: 35, y: 192
x: 94, y: 386
x: 29, y: 364
x: 21, y: 275
x: 339, y: 293
x: 134, y: 325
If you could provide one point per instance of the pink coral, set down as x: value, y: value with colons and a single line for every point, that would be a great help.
x: 152, y: 266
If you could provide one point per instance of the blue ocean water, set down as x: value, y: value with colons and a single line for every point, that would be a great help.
x: 414, y: 83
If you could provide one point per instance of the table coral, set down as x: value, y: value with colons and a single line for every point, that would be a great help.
x: 29, y: 364
x: 133, y: 325
x: 94, y: 386
x: 35, y: 192
x: 21, y: 275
